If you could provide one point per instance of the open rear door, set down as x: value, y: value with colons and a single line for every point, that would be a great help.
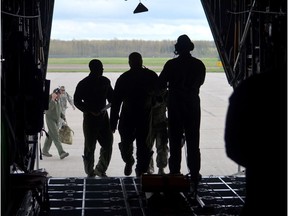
x: 250, y: 35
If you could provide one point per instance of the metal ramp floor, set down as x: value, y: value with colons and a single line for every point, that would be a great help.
x: 122, y: 196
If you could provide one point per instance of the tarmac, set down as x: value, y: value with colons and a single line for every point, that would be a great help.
x: 214, y: 95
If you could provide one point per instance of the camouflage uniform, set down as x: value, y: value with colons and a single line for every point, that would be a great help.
x: 52, y: 116
x: 159, y: 133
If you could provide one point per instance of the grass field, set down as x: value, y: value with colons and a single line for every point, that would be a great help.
x: 119, y: 64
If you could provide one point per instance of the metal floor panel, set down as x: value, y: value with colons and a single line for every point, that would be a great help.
x: 122, y: 196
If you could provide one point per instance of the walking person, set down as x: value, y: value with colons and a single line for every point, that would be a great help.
x: 65, y: 98
x: 183, y: 76
x: 134, y: 91
x: 91, y: 96
x: 53, y: 116
x: 159, y: 134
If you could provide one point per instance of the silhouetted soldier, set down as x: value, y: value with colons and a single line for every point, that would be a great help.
x: 135, y: 90
x: 183, y: 77
x: 91, y: 96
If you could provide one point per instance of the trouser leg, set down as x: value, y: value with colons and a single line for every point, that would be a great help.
x: 126, y: 150
x: 89, y: 147
x: 162, y: 148
x: 106, y: 142
x: 53, y: 133
x: 47, y: 144
x: 192, y: 142
x: 151, y: 166
x: 127, y: 135
x: 144, y: 152
x: 175, y: 147
x: 144, y: 143
x: 193, y: 159
x: 151, y: 140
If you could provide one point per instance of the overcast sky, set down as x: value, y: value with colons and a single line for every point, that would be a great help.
x: 114, y: 19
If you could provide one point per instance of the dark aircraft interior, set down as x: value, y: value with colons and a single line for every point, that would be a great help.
x: 250, y: 36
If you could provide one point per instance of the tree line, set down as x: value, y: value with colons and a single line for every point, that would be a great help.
x: 122, y: 48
